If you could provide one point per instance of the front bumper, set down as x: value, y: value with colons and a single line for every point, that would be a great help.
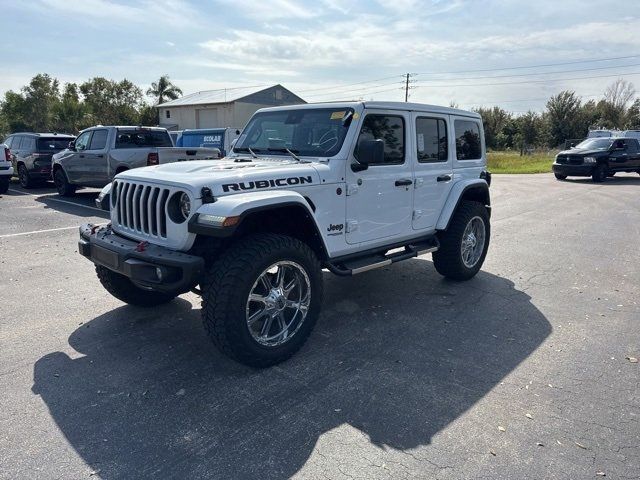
x: 573, y: 170
x: 147, y: 265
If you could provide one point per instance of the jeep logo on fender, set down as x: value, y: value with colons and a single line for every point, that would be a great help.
x: 278, y: 182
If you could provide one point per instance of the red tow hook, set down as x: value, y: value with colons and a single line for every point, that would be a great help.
x: 142, y: 246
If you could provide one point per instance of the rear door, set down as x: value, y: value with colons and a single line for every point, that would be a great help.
x: 633, y: 150
x: 433, y: 168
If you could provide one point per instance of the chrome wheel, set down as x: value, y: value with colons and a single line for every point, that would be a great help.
x: 473, y: 240
x: 278, y: 303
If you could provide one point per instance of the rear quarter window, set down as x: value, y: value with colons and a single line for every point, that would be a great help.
x: 53, y: 144
x: 468, y: 141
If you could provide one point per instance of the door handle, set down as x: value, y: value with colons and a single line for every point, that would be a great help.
x: 81, y: 156
x: 403, y: 182
x: 444, y: 178
x: 100, y: 156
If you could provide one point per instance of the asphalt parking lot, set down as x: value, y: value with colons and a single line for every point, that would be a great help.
x: 526, y: 371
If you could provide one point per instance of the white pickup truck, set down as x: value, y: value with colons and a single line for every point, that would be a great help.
x: 349, y: 187
x: 99, y: 153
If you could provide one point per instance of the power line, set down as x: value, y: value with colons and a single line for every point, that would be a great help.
x: 347, y: 90
x: 527, y: 81
x: 533, y: 73
x: 350, y: 84
x: 498, y: 102
x: 573, y: 62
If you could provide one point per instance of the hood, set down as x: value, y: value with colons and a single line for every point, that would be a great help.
x: 226, y: 176
x: 583, y: 151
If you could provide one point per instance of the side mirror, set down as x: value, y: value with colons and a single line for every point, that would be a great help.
x: 368, y: 152
x: 72, y: 145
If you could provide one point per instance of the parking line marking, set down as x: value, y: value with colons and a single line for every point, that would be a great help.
x: 59, y: 200
x: 37, y: 231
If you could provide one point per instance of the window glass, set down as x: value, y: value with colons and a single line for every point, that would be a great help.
x: 468, y: 143
x: 388, y: 128
x: 306, y: 132
x: 138, y: 138
x: 168, y: 113
x: 83, y: 141
x: 53, y: 144
x: 431, y: 139
x: 28, y: 144
x: 99, y: 140
x: 631, y: 145
x: 8, y: 141
x: 18, y: 142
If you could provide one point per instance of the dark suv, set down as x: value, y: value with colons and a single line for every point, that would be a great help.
x: 31, y: 155
x: 598, y: 158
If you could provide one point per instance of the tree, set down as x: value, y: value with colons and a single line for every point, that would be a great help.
x: 613, y: 109
x: 562, y: 116
x: 71, y: 114
x: 111, y: 102
x: 12, y: 110
x: 494, y: 121
x: 41, y: 97
x: 163, y: 89
x: 633, y: 116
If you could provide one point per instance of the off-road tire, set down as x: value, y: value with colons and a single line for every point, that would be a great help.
x: 62, y: 183
x: 124, y: 289
x: 599, y: 173
x: 227, y: 284
x: 4, y: 185
x: 25, y: 179
x: 448, y: 258
x: 560, y: 176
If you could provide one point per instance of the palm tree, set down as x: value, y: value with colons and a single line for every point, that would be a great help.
x: 163, y: 89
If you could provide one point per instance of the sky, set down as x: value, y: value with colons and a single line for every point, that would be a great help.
x: 474, y: 53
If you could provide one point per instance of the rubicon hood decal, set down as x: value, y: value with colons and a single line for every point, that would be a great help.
x: 277, y: 182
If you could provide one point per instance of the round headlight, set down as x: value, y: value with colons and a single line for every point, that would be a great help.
x: 185, y: 205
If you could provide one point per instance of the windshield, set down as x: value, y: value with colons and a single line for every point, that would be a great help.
x: 316, y: 132
x: 53, y: 144
x: 595, y: 144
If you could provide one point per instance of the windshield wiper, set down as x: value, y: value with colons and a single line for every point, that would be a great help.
x: 245, y: 149
x: 286, y: 150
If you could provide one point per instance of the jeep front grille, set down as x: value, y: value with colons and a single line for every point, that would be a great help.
x: 139, y: 208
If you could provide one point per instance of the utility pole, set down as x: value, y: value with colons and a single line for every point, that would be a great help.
x: 406, y: 89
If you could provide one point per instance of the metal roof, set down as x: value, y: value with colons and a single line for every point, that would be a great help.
x: 224, y: 95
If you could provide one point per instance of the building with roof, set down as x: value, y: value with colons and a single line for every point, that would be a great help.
x: 231, y: 107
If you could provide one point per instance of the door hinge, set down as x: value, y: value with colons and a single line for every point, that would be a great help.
x: 419, y: 182
x: 417, y: 214
x: 352, y: 226
x: 352, y: 189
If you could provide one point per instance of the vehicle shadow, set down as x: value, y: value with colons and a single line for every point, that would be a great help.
x: 619, y: 179
x: 76, y: 205
x: 398, y: 354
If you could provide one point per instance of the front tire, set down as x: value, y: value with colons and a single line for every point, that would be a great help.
x: 560, y: 176
x: 124, y: 289
x: 262, y: 298
x: 599, y: 173
x: 463, y: 246
x: 62, y: 184
x: 4, y: 185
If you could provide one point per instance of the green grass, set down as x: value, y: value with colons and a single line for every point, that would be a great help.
x: 512, y: 162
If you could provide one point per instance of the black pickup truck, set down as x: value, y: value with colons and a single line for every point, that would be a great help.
x: 598, y: 158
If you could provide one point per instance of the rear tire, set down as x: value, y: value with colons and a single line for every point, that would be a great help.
x: 25, y: 179
x: 62, y: 184
x: 469, y: 225
x: 560, y: 176
x: 4, y: 185
x: 599, y: 173
x: 250, y: 310
x: 124, y: 289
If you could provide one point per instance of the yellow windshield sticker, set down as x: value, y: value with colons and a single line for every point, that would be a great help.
x: 356, y: 116
x: 338, y: 115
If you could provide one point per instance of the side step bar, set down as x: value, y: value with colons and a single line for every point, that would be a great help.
x: 353, y: 266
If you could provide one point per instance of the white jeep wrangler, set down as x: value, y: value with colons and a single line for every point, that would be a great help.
x: 344, y: 186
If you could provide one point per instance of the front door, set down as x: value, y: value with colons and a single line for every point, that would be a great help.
x: 379, y: 198
x: 74, y: 164
x: 433, y: 168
